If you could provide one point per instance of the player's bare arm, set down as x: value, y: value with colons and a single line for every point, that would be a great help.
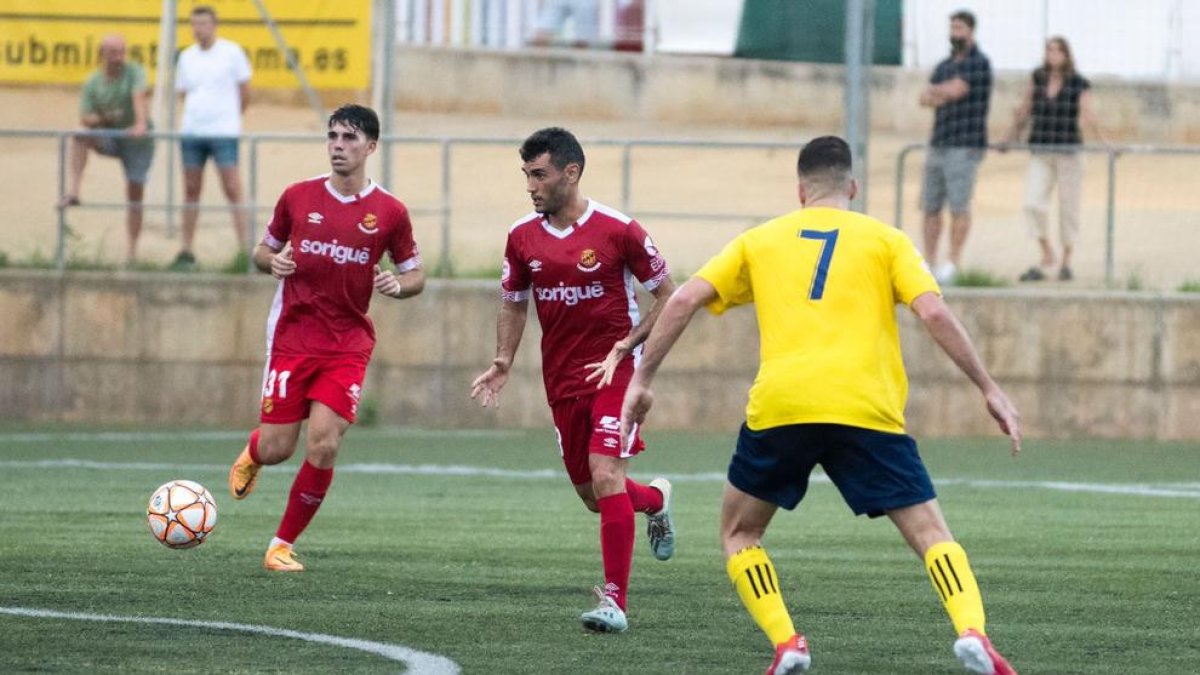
x: 399, y: 286
x: 510, y: 325
x: 952, y: 337
x: 675, y: 317
x: 279, y: 264
x: 605, y: 369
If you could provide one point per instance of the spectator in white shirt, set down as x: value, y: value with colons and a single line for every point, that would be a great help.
x: 213, y: 76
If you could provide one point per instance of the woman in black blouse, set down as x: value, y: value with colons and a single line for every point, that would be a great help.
x: 1057, y: 99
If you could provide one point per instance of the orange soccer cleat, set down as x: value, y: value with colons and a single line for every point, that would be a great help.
x: 243, y: 475
x: 281, y: 558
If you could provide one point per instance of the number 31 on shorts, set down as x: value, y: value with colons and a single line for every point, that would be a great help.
x: 276, y: 379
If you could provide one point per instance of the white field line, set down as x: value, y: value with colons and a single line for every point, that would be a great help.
x: 207, y: 436
x: 1170, y: 490
x: 416, y: 661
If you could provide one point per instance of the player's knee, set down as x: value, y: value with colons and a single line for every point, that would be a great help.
x: 607, y: 480
x: 589, y: 502
x: 273, y: 449
x: 736, y: 535
x: 322, y: 450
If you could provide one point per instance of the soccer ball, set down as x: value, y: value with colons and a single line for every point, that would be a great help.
x: 181, y: 514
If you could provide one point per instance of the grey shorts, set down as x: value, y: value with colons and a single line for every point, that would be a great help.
x: 950, y: 176
x: 135, y: 155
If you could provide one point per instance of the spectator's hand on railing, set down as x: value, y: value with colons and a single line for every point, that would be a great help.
x: 282, y: 264
x: 137, y: 130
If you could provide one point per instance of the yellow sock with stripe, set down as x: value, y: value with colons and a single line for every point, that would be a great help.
x: 757, y: 585
x: 948, y: 569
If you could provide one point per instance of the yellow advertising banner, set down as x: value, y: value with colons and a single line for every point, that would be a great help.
x: 57, y: 41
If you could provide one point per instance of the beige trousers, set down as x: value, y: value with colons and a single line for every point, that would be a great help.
x: 1046, y: 169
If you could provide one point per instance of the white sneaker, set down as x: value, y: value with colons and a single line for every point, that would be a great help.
x: 607, y: 617
x: 945, y: 273
x: 659, y: 527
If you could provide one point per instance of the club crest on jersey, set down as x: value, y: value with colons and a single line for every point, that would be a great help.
x: 315, y: 218
x: 587, y: 261
x: 651, y: 249
x: 369, y: 224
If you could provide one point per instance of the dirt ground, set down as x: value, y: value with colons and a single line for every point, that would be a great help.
x: 1156, y: 235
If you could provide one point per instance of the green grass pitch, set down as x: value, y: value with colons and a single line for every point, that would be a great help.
x: 1086, y: 553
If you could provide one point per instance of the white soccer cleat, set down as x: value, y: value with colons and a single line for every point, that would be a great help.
x: 978, y: 655
x: 659, y: 527
x: 791, y: 657
x: 607, y: 617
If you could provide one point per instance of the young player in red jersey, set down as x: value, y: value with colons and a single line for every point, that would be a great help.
x: 577, y: 259
x: 324, y: 244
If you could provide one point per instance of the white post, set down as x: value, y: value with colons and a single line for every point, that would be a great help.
x: 165, y: 99
x: 649, y: 27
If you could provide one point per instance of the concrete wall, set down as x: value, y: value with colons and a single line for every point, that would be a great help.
x: 187, y: 350
x: 551, y: 85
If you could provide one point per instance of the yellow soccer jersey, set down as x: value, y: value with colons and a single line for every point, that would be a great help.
x: 825, y: 283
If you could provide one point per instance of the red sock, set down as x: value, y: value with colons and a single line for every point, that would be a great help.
x: 616, y: 543
x: 645, y: 498
x: 254, y: 447
x: 308, y: 490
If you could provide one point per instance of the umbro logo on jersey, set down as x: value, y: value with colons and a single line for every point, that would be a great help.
x: 315, y: 218
x: 535, y: 265
x: 588, y: 261
x: 355, y: 391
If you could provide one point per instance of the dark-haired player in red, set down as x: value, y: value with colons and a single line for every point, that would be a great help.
x: 578, y: 260
x: 324, y: 244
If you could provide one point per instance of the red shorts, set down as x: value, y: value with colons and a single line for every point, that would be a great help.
x: 292, y: 382
x: 590, y: 425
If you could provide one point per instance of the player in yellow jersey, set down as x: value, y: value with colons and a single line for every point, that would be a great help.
x: 830, y: 390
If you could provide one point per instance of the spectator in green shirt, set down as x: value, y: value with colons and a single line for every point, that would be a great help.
x: 115, y: 97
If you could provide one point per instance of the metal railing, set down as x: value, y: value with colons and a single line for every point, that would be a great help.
x: 1111, y: 154
x: 448, y: 146
x: 444, y: 211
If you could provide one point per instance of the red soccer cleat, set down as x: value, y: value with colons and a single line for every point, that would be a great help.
x: 976, y: 652
x: 791, y: 657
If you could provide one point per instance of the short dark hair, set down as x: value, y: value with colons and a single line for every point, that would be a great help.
x: 824, y: 156
x: 357, y: 117
x: 964, y: 16
x: 205, y: 9
x: 562, y: 145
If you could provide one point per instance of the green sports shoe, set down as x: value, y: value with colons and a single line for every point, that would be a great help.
x: 659, y: 527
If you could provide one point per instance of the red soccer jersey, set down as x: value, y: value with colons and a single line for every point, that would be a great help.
x: 321, y: 309
x: 581, y: 281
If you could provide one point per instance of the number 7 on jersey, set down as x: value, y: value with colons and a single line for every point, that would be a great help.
x: 817, y: 288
